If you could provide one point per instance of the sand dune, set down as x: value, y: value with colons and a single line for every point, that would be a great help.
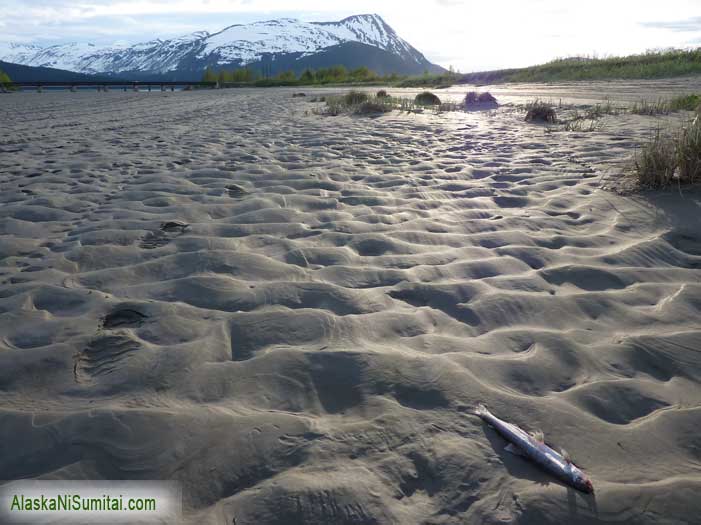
x: 293, y: 315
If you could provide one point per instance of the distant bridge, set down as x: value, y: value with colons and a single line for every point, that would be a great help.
x: 125, y: 85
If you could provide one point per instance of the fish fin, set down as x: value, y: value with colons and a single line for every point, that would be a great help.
x: 538, y: 436
x: 513, y: 449
x: 566, y: 456
x: 481, y: 410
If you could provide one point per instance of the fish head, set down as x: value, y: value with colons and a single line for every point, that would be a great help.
x: 580, y: 480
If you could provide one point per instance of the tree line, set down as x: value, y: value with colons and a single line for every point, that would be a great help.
x: 327, y: 75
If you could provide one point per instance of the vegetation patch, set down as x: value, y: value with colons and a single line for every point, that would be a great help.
x: 674, y: 158
x: 664, y: 107
x: 474, y: 97
x: 362, y: 103
x: 426, y: 98
x: 5, y: 81
x: 653, y: 64
x: 355, y: 103
x: 540, y: 111
x: 353, y: 98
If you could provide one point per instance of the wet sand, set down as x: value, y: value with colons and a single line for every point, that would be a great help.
x: 293, y: 315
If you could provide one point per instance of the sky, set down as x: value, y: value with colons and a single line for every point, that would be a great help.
x: 468, y: 35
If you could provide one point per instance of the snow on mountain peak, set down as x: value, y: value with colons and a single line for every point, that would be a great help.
x: 238, y: 44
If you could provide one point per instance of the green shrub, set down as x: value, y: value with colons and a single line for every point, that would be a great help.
x: 427, y: 98
x: 4, y: 80
x: 539, y: 111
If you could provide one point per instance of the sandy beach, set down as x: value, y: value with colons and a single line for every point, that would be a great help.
x: 294, y: 315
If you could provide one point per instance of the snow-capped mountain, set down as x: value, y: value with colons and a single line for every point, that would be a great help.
x: 238, y: 45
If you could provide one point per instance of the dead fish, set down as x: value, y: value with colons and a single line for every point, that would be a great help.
x: 534, y: 448
x: 172, y: 226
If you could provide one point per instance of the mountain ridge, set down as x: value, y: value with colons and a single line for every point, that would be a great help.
x: 236, y: 45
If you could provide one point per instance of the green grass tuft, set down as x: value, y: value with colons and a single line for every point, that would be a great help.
x: 671, y: 158
x: 664, y: 107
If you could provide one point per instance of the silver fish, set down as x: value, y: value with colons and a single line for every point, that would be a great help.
x: 533, y: 447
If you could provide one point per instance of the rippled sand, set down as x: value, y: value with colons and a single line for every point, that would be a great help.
x: 293, y: 315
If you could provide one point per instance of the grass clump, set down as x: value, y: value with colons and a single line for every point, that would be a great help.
x: 539, y: 111
x: 473, y: 100
x: 645, y: 107
x: 655, y: 165
x: 356, y: 103
x: 689, y: 152
x: 353, y: 98
x: 599, y: 110
x: 685, y: 103
x: 666, y: 159
x: 473, y: 97
x: 665, y: 107
x: 426, y: 98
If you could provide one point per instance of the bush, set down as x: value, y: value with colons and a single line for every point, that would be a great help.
x: 539, y: 111
x: 353, y: 98
x: 427, y: 98
x: 382, y: 94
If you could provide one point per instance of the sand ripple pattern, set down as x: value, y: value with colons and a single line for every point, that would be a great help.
x: 293, y: 315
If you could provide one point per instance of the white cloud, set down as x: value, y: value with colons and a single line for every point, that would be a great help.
x: 471, y: 35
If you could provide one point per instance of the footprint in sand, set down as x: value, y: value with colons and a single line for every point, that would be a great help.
x: 102, y: 356
x: 236, y: 191
x: 123, y: 318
